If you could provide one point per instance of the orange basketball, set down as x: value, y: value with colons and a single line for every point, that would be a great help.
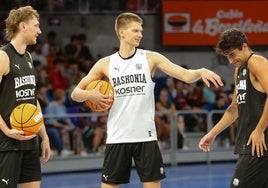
x: 106, y: 89
x: 26, y: 117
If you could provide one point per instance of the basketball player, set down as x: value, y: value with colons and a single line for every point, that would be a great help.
x: 19, y: 155
x: 131, y: 127
x: 250, y: 106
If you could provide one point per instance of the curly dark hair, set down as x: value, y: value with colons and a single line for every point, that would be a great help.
x: 229, y: 40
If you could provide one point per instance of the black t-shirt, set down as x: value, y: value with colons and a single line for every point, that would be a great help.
x: 17, y: 87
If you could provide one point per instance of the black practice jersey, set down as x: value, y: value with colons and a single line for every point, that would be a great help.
x: 17, y: 87
x: 250, y: 108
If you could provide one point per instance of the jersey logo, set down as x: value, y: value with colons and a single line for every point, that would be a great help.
x: 236, y: 182
x: 105, y: 177
x: 30, y: 65
x: 17, y: 66
x: 5, y: 181
x: 138, y: 66
x: 117, y: 68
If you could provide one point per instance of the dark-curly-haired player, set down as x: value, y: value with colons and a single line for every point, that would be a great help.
x: 249, y: 106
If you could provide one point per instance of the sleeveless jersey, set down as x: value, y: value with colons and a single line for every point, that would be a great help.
x: 131, y: 117
x: 250, y: 108
x: 17, y: 87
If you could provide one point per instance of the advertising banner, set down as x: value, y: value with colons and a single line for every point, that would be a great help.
x: 199, y: 23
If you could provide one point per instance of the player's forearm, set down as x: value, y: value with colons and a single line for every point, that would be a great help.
x: 229, y: 117
x: 79, y: 95
x: 43, y: 133
x: 3, y: 125
x: 192, y: 75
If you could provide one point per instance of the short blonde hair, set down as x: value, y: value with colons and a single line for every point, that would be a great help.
x: 124, y: 19
x: 15, y: 17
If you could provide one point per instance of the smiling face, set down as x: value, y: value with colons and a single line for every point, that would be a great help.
x: 131, y: 33
x: 25, y: 21
x: 233, y: 44
x: 238, y: 57
x: 128, y: 27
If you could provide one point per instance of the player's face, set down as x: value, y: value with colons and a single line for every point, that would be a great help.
x: 31, y: 31
x: 133, y: 34
x: 237, y: 57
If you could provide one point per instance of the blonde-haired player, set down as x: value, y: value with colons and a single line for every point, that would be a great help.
x: 131, y: 132
x: 19, y: 154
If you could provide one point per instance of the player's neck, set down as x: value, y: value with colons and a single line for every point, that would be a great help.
x: 19, y: 46
x: 126, y: 51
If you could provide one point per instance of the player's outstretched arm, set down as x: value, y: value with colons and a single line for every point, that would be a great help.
x: 157, y: 60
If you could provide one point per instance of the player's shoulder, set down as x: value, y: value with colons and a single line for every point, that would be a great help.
x: 257, y: 60
x: 4, y: 56
x: 153, y: 53
x: 4, y: 63
x: 104, y: 60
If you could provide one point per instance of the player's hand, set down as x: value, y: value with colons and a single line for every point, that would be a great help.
x: 206, y: 141
x: 99, y: 99
x: 209, y: 76
x: 257, y: 140
x: 18, y: 135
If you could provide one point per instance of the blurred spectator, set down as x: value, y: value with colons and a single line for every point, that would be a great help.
x: 59, y: 127
x: 73, y: 48
x: 164, y: 108
x: 93, y: 128
x: 51, y: 41
x: 210, y: 96
x: 196, y: 97
x: 72, y: 70
x: 196, y: 100
x: 181, y: 102
x: 57, y: 77
x: 40, y: 73
x: 51, y: 56
x: 42, y: 96
x: 171, y: 86
x: 226, y: 138
x: 85, y: 53
x: 37, y: 54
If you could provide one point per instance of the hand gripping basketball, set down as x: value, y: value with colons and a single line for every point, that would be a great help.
x: 26, y: 117
x: 105, y: 88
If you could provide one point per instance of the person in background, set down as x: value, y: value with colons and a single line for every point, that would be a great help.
x: 164, y: 109
x: 37, y: 54
x: 19, y: 154
x: 51, y: 41
x: 59, y: 127
x: 249, y: 106
x: 131, y: 130
x: 57, y: 77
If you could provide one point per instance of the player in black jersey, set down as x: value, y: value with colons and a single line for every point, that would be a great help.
x: 19, y: 154
x: 250, y: 106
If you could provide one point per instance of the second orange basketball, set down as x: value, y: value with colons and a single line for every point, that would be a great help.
x: 106, y: 89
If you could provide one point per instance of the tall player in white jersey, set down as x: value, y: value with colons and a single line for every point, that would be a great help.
x: 131, y: 132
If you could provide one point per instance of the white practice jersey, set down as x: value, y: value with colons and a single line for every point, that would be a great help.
x: 131, y: 117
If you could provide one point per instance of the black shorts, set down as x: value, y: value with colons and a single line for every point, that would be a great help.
x: 19, y: 167
x: 118, y: 162
x: 250, y: 172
